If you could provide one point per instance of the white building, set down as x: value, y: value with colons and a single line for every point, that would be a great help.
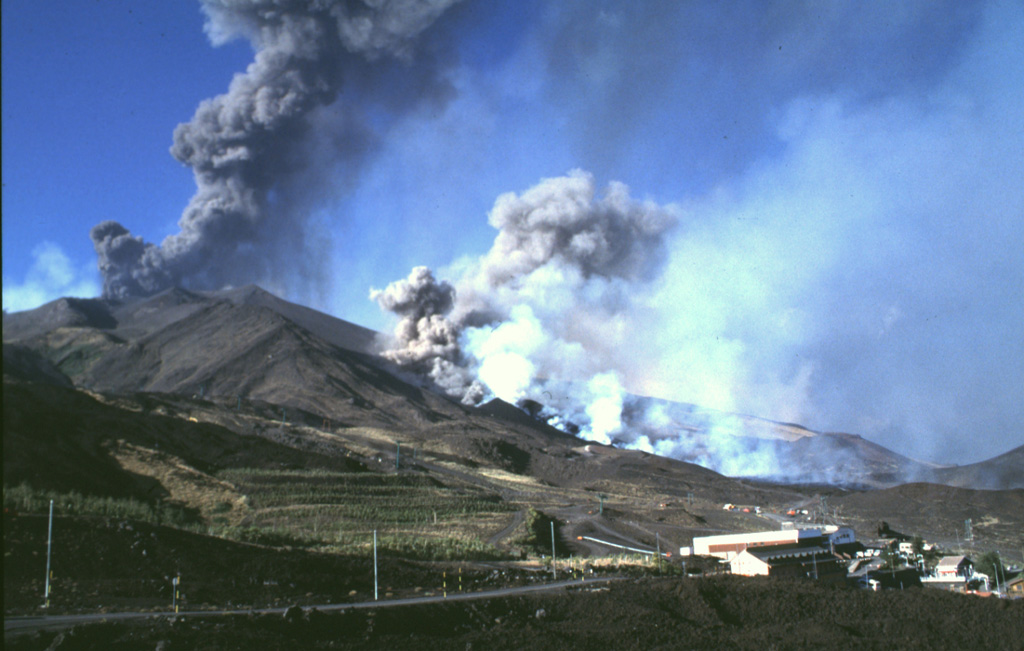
x: 787, y: 560
x: 951, y: 567
x: 728, y: 546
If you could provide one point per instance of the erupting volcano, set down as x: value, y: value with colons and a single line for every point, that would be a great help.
x: 650, y: 225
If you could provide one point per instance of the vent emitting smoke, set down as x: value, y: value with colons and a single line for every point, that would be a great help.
x: 553, y: 318
x: 544, y: 302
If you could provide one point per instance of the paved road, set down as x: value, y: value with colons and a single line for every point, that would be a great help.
x: 21, y: 625
x: 517, y: 520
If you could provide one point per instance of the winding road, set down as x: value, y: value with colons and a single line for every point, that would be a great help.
x: 23, y: 625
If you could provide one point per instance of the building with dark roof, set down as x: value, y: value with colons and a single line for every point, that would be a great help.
x: 793, y: 560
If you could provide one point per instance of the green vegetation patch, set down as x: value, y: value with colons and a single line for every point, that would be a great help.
x: 420, y: 547
x: 365, y: 498
x: 538, y: 534
x: 25, y: 499
x: 416, y: 516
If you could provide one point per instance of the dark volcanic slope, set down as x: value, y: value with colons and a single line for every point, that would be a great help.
x: 912, y: 508
x: 1004, y: 471
x: 334, y: 331
x: 246, y: 344
x: 137, y: 318
x: 236, y: 348
x: 62, y: 439
x: 26, y: 364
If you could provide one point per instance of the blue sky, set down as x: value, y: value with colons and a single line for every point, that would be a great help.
x: 849, y: 181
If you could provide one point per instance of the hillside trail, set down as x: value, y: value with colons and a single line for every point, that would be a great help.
x: 517, y: 520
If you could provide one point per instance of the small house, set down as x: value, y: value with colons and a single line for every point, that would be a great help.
x: 1014, y: 588
x: 951, y: 567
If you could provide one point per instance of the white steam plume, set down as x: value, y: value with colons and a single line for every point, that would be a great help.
x: 550, y: 302
x: 564, y: 317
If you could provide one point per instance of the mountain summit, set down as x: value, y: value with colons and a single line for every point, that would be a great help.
x: 246, y: 344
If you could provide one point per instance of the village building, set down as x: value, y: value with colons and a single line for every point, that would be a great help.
x: 952, y: 567
x: 794, y: 560
x: 872, y: 573
x: 952, y: 573
x: 728, y: 546
x: 1014, y: 588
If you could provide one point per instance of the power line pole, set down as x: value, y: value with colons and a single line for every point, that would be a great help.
x: 657, y: 539
x: 553, y: 574
x: 1000, y: 569
x: 375, y: 565
x: 49, y: 548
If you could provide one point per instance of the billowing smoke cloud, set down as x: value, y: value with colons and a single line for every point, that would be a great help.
x: 850, y: 256
x: 256, y: 166
x: 555, y: 318
x: 573, y: 312
x: 425, y: 340
x: 549, y: 302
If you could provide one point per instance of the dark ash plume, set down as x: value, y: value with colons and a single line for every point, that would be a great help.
x: 250, y: 148
x: 424, y: 332
x: 425, y: 341
x: 130, y: 267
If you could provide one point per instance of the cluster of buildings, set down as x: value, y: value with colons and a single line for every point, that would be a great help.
x: 830, y: 552
x: 814, y: 552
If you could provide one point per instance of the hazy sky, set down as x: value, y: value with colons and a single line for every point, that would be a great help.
x: 849, y: 179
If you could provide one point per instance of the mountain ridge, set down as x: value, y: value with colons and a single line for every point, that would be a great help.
x: 247, y: 344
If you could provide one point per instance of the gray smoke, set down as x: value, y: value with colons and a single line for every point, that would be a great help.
x: 257, y: 169
x: 561, y: 234
x: 566, y: 267
x: 559, y: 317
x: 425, y: 341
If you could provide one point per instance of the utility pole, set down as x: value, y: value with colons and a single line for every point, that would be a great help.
x: 657, y: 540
x: 600, y: 509
x: 1000, y: 569
x: 375, y: 565
x: 49, y: 548
x: 553, y: 574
